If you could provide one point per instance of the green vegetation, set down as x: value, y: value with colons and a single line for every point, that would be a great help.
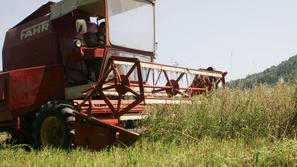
x: 286, y: 71
x: 251, y: 127
x: 204, y: 152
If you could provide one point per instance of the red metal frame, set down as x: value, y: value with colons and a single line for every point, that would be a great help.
x: 203, y: 79
x: 120, y: 83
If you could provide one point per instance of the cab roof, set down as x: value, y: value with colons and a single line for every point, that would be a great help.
x: 92, y: 7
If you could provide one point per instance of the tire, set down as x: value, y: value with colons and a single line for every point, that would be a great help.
x: 51, y: 126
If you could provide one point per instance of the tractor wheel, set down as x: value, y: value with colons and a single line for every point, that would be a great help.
x: 51, y: 127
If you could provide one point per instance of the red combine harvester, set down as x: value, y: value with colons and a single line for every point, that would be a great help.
x: 80, y: 72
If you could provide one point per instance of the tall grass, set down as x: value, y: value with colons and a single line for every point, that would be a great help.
x: 263, y: 111
x: 238, y: 127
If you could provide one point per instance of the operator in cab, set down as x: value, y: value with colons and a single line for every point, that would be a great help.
x: 91, y: 38
x: 102, y: 34
x: 95, y: 37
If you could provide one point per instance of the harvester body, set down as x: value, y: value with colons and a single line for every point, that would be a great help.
x: 67, y: 82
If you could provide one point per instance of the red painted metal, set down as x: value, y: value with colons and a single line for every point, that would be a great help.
x: 96, y: 134
x: 23, y: 53
x: 89, y: 53
x: 32, y: 87
x: 27, y: 89
x: 120, y: 82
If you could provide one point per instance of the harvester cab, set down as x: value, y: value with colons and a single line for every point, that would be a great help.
x: 83, y: 71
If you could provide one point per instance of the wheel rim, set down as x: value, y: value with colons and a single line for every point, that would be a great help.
x: 51, y: 132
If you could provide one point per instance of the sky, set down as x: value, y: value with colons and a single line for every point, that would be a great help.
x: 241, y: 37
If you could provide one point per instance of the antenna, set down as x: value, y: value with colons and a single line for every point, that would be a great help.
x: 231, y: 61
x: 255, y: 66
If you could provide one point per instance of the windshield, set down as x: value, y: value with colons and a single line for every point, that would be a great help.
x: 131, y: 24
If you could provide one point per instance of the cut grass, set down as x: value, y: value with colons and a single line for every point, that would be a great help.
x: 252, y: 127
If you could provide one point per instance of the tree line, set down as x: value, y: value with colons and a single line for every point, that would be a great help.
x: 286, y: 71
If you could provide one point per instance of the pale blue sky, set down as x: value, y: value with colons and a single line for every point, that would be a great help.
x: 199, y: 33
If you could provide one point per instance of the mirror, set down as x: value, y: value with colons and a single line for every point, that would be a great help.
x: 81, y: 26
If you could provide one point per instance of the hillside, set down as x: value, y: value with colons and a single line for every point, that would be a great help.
x: 285, y: 71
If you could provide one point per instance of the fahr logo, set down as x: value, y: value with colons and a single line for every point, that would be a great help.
x: 35, y: 30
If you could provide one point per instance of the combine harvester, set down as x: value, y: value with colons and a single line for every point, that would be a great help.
x: 80, y: 72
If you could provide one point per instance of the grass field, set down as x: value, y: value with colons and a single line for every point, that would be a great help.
x: 206, y: 152
x: 254, y: 127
